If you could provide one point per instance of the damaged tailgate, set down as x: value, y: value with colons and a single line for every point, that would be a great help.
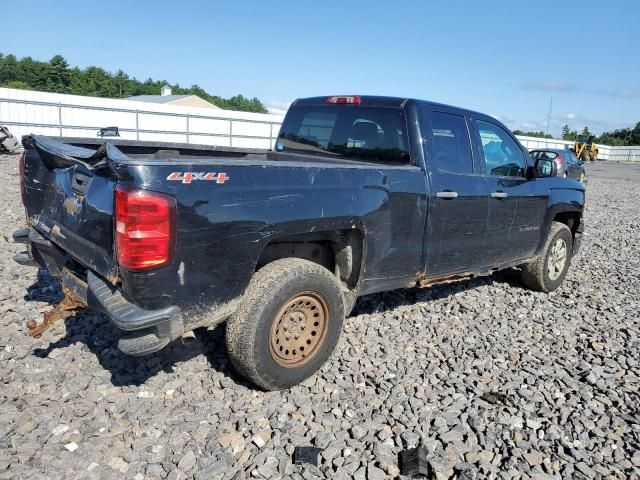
x: 68, y: 195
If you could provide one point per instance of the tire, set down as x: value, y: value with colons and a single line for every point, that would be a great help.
x: 291, y: 303
x: 540, y: 274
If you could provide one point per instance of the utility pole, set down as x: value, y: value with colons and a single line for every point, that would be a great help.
x: 549, y: 116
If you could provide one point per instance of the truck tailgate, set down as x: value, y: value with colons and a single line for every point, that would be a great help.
x: 68, y: 195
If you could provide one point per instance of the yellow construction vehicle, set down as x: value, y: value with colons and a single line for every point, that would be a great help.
x: 585, y: 149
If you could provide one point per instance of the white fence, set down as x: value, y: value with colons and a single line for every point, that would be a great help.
x: 26, y: 111
x: 605, y: 152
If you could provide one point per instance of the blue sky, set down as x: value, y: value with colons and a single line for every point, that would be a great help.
x: 504, y: 58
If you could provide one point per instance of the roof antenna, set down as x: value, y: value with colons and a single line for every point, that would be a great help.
x: 549, y: 116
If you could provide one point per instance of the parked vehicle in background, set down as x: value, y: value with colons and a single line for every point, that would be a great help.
x: 8, y: 143
x: 567, y: 163
x: 361, y: 195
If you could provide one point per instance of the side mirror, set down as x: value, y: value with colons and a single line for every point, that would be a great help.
x: 545, y: 168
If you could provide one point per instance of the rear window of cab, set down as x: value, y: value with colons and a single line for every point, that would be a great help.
x: 537, y: 154
x: 355, y: 132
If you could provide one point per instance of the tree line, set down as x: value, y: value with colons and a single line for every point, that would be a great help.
x: 623, y: 137
x: 57, y: 76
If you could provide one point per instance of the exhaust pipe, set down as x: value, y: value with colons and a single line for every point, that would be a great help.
x: 188, y: 338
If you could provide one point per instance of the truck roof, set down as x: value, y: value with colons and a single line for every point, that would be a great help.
x: 381, y: 101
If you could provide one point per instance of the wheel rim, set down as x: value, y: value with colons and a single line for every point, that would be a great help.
x: 557, y: 259
x: 299, y: 329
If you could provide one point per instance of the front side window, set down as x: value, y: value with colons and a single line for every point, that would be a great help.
x: 377, y: 134
x: 502, y: 155
x: 451, y: 145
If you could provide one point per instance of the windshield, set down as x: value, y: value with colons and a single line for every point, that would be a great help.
x: 346, y: 131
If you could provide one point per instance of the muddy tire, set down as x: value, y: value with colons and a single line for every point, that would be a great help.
x: 547, y: 272
x: 287, y: 325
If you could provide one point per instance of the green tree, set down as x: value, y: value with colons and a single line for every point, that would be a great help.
x: 539, y: 134
x: 19, y: 84
x: 9, y: 69
x: 621, y: 136
x: 121, y: 81
x: 33, y: 73
x: 58, y: 76
x: 568, y: 134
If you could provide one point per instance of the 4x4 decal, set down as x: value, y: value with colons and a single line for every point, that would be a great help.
x: 188, y: 177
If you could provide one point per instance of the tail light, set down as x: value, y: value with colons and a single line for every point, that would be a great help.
x: 559, y: 161
x: 145, y: 228
x: 21, y: 159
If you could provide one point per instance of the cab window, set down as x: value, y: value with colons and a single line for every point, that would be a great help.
x: 366, y: 133
x: 451, y: 145
x: 502, y: 155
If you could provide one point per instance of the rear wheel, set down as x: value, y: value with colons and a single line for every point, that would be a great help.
x: 287, y: 324
x: 547, y: 272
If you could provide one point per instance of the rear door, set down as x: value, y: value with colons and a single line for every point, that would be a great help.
x: 459, y: 202
x: 376, y: 135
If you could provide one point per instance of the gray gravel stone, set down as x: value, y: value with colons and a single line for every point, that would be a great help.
x: 494, y: 380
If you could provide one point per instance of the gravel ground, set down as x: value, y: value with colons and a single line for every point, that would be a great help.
x: 495, y: 380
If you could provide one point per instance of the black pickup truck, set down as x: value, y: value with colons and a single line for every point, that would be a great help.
x: 360, y: 194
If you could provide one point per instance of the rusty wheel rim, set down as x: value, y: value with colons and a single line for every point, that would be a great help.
x: 299, y: 329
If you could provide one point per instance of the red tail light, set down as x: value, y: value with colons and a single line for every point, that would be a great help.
x: 145, y: 228
x: 559, y: 161
x: 344, y: 100
x: 21, y: 160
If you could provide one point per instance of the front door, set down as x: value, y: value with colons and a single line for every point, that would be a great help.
x: 504, y: 168
x: 458, y: 196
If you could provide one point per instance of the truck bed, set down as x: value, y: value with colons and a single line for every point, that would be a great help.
x: 153, y: 149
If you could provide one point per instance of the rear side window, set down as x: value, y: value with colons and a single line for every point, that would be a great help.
x: 377, y: 134
x: 451, y: 145
x: 502, y: 155
x: 545, y: 155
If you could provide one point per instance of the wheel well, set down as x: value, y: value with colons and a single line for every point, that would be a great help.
x: 570, y: 219
x: 339, y: 251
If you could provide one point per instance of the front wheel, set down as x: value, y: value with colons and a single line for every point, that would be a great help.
x: 287, y: 325
x: 547, y: 272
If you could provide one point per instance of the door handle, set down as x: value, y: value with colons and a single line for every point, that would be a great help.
x: 499, y: 194
x: 448, y: 194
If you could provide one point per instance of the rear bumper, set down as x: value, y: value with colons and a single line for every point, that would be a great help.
x: 144, y: 331
x: 147, y: 331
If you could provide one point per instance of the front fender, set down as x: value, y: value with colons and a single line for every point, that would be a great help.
x: 562, y: 201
